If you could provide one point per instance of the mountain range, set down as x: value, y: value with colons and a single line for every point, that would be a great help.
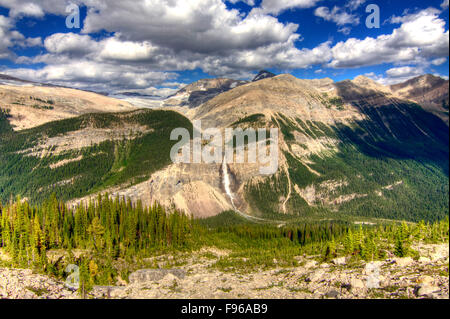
x: 348, y: 149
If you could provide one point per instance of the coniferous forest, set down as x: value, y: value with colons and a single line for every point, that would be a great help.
x: 110, y: 237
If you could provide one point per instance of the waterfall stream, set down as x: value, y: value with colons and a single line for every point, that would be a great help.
x: 226, y: 182
x: 226, y: 185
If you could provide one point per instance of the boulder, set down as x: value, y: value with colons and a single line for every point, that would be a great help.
x: 316, y: 276
x: 356, y: 283
x: 332, y: 294
x: 427, y: 290
x: 424, y: 260
x: 439, y: 252
x: 154, y: 275
x: 340, y: 261
x: 425, y: 280
x: 404, y: 262
x: 168, y: 280
x: 311, y: 264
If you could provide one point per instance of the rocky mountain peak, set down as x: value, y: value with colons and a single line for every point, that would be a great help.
x: 202, y: 91
x: 263, y: 75
x: 423, y: 81
x: 430, y: 91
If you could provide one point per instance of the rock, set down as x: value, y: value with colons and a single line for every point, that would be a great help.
x: 424, y: 260
x: 427, y: 290
x: 332, y: 294
x: 356, y: 283
x: 29, y: 295
x: 420, y: 280
x: 437, y: 256
x: 316, y: 276
x: 311, y: 264
x: 120, y: 281
x: 324, y: 265
x: 383, y: 281
x: 118, y: 293
x: 168, y: 280
x: 404, y: 262
x: 425, y: 280
x: 154, y: 275
x: 439, y: 252
x: 340, y: 261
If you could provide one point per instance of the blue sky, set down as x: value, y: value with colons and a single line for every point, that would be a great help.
x: 158, y: 46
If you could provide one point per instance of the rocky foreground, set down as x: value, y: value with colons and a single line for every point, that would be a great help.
x: 423, y: 277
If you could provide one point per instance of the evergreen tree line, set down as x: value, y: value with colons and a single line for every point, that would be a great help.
x: 376, y: 243
x: 108, y: 227
x: 114, y: 236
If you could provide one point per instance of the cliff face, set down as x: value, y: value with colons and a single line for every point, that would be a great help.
x: 197, y: 93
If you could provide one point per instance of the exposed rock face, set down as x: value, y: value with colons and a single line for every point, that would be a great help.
x: 153, y: 275
x: 201, y: 91
x: 23, y: 284
x: 284, y: 93
x: 32, y: 105
x: 196, y: 189
x: 77, y: 140
x: 263, y: 75
x: 430, y: 91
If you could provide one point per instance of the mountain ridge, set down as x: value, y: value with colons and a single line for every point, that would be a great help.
x: 335, y: 137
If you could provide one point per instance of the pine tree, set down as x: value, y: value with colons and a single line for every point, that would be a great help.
x: 96, y: 230
x: 331, y: 249
x: 349, y: 244
x: 85, y: 279
x: 402, y: 241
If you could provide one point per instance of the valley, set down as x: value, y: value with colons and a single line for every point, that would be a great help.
x: 347, y: 149
x: 362, y: 180
x: 116, y: 250
x: 261, y: 151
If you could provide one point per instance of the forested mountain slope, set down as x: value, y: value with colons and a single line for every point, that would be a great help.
x: 347, y: 149
x: 74, y: 157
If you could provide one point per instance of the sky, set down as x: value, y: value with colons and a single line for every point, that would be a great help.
x: 158, y: 46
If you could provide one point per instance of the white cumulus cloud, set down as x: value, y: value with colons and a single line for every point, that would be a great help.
x: 336, y: 15
x: 278, y: 6
x: 420, y: 36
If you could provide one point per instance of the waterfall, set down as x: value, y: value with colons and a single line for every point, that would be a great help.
x: 226, y: 182
x: 226, y: 186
